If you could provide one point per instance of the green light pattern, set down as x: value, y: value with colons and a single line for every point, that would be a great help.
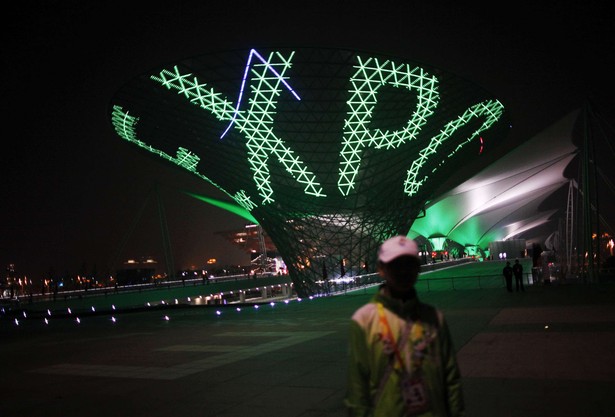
x: 369, y: 77
x: 244, y: 200
x: 186, y: 159
x: 491, y: 109
x: 125, y: 124
x: 371, y: 74
x: 256, y: 123
x: 125, y: 127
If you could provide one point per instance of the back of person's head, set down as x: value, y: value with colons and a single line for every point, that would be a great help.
x: 402, y: 267
x: 398, y: 258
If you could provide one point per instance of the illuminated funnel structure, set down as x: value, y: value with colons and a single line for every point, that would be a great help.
x: 331, y: 151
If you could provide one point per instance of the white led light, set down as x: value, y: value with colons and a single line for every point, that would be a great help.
x: 243, y: 84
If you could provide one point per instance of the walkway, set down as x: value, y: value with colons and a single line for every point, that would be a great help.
x: 545, y: 352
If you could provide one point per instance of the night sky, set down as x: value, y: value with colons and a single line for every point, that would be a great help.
x: 72, y: 190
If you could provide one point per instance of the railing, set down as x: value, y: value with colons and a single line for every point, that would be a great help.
x: 256, y: 289
x: 23, y: 298
x: 424, y: 283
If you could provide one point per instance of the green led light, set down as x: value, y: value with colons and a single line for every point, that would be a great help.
x: 490, y: 110
x: 256, y: 123
x: 244, y: 200
x: 125, y: 126
x: 187, y: 159
x: 367, y: 80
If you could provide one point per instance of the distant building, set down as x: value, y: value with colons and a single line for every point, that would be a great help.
x: 264, y: 256
x: 137, y: 271
x: 248, y: 239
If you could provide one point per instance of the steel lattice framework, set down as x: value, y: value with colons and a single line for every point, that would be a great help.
x: 330, y: 151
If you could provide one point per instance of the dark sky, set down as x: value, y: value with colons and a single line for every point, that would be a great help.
x: 72, y: 189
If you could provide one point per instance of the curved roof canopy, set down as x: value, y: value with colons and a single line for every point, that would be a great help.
x: 504, y: 200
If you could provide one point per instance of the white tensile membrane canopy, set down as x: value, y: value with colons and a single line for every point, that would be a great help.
x: 503, y: 200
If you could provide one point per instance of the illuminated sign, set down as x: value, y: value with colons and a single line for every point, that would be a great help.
x: 265, y: 79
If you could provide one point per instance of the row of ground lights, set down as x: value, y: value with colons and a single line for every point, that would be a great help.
x: 77, y: 319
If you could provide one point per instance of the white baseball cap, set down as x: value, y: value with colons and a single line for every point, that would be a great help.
x: 395, y: 247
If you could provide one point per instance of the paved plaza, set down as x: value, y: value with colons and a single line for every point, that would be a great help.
x: 545, y: 352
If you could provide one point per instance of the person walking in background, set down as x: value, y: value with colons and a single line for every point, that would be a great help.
x: 508, y: 276
x: 401, y: 356
x: 517, y: 270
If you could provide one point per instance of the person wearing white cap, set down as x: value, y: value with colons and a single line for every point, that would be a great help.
x: 401, y: 356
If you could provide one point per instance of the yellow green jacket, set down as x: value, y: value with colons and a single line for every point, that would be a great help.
x: 369, y: 359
